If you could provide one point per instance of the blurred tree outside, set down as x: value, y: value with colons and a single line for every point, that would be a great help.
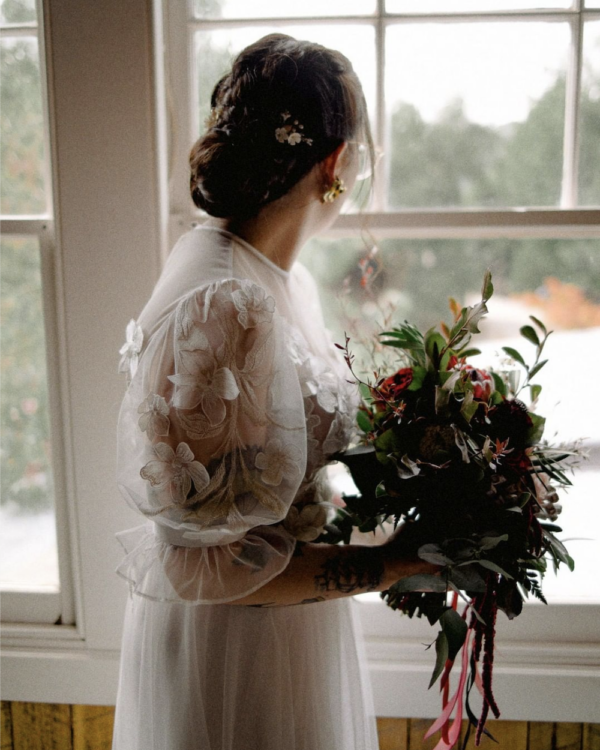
x: 26, y: 478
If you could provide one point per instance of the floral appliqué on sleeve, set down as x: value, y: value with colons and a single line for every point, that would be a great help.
x: 154, y: 419
x: 278, y: 460
x: 253, y: 306
x: 130, y: 351
x: 174, y: 471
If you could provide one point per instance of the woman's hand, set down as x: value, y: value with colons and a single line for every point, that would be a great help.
x: 400, y: 557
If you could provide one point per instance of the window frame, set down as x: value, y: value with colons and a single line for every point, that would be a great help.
x: 566, y: 220
x: 46, y: 604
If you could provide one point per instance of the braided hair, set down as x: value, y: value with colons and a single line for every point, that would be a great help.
x: 239, y: 165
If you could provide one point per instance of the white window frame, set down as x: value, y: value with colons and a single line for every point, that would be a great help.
x: 109, y: 148
x: 567, y: 221
x: 49, y: 605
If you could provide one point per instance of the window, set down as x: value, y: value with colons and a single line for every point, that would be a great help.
x: 103, y: 248
x: 36, y: 588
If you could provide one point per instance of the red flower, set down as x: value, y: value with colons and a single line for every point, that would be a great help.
x: 482, y: 383
x: 518, y: 462
x: 391, y: 388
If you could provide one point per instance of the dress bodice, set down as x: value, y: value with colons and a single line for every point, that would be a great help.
x: 236, y: 401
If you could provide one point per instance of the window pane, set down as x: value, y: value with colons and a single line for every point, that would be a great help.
x: 17, y: 11
x: 276, y: 9
x: 216, y: 49
x: 470, y: 124
x: 21, y: 127
x: 556, y: 280
x: 28, y: 546
x: 466, y: 6
x: 589, y: 167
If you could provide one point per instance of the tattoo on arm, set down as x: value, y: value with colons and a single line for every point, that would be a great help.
x: 360, y: 569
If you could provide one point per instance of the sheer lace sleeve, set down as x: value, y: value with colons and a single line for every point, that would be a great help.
x: 212, y: 448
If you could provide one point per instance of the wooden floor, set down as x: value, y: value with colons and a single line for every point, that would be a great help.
x: 44, y: 726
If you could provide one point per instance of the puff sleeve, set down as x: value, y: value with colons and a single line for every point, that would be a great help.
x: 212, y: 448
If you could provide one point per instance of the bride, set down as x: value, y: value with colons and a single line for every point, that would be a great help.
x: 240, y: 631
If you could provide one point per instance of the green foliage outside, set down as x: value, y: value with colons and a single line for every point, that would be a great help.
x: 26, y: 477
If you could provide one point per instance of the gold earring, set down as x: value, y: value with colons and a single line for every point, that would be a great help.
x: 336, y: 189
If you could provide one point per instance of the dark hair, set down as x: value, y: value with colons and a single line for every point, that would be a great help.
x: 238, y: 165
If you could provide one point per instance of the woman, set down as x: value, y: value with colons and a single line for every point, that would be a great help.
x: 236, y: 400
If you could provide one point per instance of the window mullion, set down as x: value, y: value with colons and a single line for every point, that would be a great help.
x: 59, y: 419
x: 380, y: 184
x: 571, y: 132
x: 180, y: 113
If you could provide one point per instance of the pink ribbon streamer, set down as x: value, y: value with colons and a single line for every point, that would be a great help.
x: 446, y: 743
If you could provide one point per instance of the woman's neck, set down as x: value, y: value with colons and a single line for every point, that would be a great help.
x: 281, y: 228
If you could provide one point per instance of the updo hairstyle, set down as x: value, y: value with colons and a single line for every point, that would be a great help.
x: 239, y: 165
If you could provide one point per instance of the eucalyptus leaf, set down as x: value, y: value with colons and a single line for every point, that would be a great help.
x: 455, y: 630
x: 468, y: 579
x: 489, y: 542
x: 496, y: 568
x: 441, y: 651
x: 433, y: 554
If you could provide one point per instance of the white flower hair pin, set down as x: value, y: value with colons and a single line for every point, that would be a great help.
x: 290, y: 132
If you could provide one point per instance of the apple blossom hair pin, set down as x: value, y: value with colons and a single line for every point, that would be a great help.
x: 290, y: 132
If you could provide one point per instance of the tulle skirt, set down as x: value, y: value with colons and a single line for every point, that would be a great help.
x: 226, y: 677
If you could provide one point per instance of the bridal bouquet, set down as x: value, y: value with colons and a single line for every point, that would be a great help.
x: 453, y: 455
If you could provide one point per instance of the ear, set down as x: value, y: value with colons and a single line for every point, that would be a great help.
x: 330, y: 164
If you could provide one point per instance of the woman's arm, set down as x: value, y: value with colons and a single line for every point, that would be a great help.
x: 319, y: 572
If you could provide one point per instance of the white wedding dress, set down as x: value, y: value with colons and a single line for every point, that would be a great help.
x: 236, y: 399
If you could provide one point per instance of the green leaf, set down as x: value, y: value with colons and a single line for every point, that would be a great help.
x: 459, y: 323
x: 496, y: 568
x: 535, y: 432
x: 433, y: 554
x: 535, y: 391
x: 468, y: 352
x: 365, y: 392
x: 529, y: 333
x: 499, y: 384
x: 434, y: 343
x: 488, y: 288
x: 419, y: 374
x: 468, y: 579
x: 536, y: 368
x: 489, y: 542
x: 363, y: 421
x: 442, y: 398
x: 539, y: 324
x: 441, y: 651
x: 469, y: 406
x: 514, y: 354
x: 455, y: 630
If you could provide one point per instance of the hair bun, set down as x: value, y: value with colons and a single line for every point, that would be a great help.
x: 242, y: 162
